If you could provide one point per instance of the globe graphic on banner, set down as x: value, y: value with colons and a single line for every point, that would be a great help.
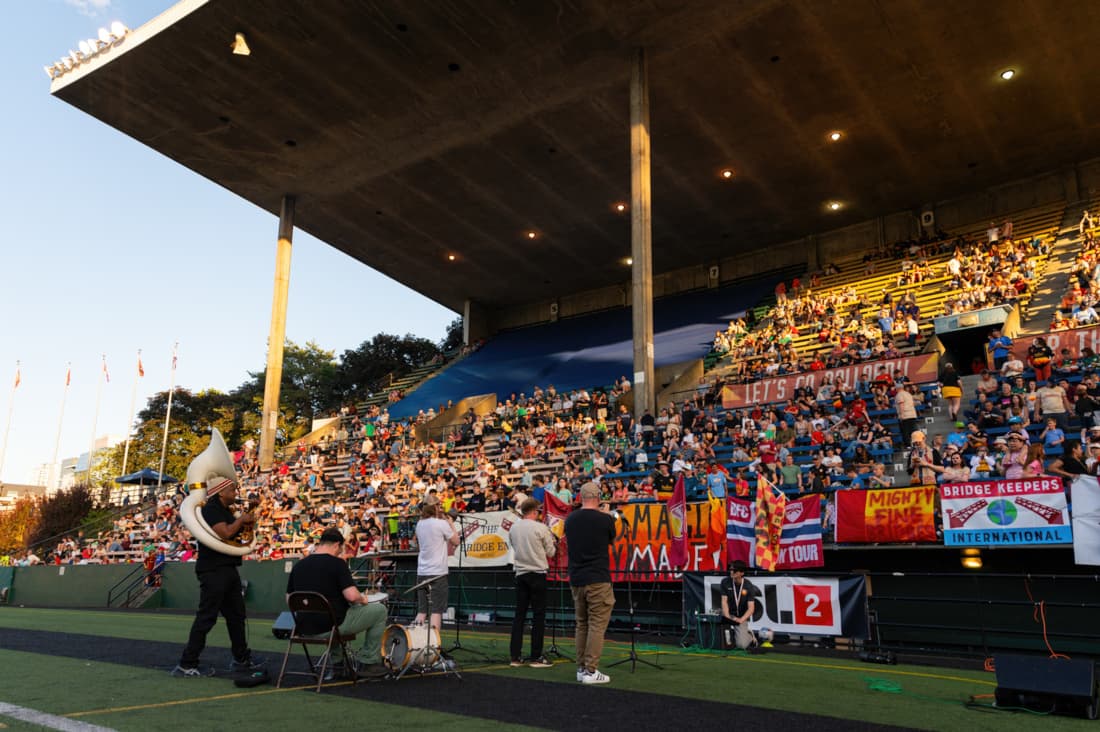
x: 1001, y: 512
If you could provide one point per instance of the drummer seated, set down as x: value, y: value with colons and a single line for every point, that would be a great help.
x: 326, y: 572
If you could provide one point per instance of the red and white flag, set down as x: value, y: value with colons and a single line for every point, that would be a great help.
x: 106, y: 374
x: 68, y: 376
x: 141, y: 369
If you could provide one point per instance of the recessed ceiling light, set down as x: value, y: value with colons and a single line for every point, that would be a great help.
x: 834, y: 205
x: 835, y: 135
x: 620, y: 207
x: 240, y: 45
x: 1008, y: 74
x: 531, y: 235
x: 629, y: 261
x: 451, y: 257
x: 727, y: 174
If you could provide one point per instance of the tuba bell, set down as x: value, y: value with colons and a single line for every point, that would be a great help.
x: 208, y: 475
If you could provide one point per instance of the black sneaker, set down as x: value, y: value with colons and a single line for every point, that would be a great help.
x: 249, y: 665
x: 541, y: 662
x: 192, y: 672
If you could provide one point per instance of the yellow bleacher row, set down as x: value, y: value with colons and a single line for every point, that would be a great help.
x: 930, y: 293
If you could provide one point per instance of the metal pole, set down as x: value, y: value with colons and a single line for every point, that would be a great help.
x: 130, y: 423
x: 167, y: 417
x: 60, y: 420
x: 95, y: 418
x: 269, y: 422
x: 641, y: 236
x: 7, y: 429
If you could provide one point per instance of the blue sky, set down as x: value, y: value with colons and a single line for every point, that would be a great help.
x: 109, y: 247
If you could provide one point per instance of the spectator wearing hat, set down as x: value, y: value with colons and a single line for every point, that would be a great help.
x: 958, y: 438
x: 1015, y: 458
x: 663, y: 481
x: 920, y: 456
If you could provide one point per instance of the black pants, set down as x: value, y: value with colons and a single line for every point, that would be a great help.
x: 219, y: 592
x: 530, y: 593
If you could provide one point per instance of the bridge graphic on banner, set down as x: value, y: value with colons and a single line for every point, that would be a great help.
x: 1049, y: 514
x: 958, y: 519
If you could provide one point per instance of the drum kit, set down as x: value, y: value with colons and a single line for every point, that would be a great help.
x: 415, y: 647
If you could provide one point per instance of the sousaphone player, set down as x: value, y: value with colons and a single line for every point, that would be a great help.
x: 207, y: 513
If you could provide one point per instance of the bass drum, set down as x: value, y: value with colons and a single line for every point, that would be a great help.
x: 413, y: 645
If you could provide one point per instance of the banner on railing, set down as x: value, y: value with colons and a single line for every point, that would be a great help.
x: 484, y: 539
x: 1086, y: 520
x: 800, y: 542
x: 797, y: 605
x: 642, y: 546
x: 919, y: 369
x: 896, y: 515
x: 1075, y: 340
x: 1005, y: 512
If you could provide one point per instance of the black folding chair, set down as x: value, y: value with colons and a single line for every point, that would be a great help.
x: 316, y: 605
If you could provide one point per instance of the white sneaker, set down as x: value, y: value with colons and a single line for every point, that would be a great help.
x: 581, y: 673
x: 596, y: 677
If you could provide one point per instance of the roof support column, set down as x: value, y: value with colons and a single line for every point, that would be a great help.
x: 277, y: 335
x: 641, y: 235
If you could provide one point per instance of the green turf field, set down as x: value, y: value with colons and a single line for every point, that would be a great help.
x: 126, y: 696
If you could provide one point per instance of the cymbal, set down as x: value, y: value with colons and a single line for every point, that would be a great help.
x: 425, y: 583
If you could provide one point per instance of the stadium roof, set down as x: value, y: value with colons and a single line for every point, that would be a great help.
x: 411, y: 131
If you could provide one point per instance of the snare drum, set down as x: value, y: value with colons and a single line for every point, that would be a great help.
x: 413, y: 645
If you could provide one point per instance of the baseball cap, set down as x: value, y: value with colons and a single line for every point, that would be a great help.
x: 590, y: 491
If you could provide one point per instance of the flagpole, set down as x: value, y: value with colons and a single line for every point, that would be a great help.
x: 60, y: 420
x: 130, y: 422
x: 7, y: 429
x: 95, y: 420
x: 167, y: 417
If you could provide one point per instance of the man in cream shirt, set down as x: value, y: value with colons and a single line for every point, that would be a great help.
x: 533, y: 545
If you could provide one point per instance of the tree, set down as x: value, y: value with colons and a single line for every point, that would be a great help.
x: 61, y: 513
x: 362, y: 370
x: 17, y: 524
x: 454, y: 338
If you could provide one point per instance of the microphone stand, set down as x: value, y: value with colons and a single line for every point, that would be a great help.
x: 633, y: 658
x: 461, y: 591
x: 553, y: 650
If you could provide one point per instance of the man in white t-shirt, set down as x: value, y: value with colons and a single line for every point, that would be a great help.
x: 435, y: 536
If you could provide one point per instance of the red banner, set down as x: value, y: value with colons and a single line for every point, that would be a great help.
x: 896, y: 515
x: 920, y: 369
x: 1075, y: 340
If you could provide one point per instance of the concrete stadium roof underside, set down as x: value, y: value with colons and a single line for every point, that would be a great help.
x: 414, y: 129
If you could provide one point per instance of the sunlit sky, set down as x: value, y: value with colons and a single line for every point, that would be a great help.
x: 110, y: 247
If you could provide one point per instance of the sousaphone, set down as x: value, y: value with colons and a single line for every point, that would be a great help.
x: 208, y: 475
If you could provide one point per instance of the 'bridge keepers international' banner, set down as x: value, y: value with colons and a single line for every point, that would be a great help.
x: 898, y: 515
x: 919, y: 369
x: 1005, y: 512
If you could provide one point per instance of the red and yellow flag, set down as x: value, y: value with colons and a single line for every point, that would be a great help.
x: 771, y: 504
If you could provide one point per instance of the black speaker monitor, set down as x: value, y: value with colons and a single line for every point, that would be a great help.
x: 1049, y: 685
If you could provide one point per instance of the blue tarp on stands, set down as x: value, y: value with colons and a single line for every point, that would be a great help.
x: 588, y: 350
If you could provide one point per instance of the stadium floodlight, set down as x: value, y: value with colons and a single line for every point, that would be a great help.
x: 118, y: 29
x: 85, y: 48
x: 105, y: 36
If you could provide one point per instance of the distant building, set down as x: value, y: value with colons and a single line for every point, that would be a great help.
x: 10, y: 493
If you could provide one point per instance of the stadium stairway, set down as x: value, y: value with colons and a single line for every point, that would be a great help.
x: 1053, y: 284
